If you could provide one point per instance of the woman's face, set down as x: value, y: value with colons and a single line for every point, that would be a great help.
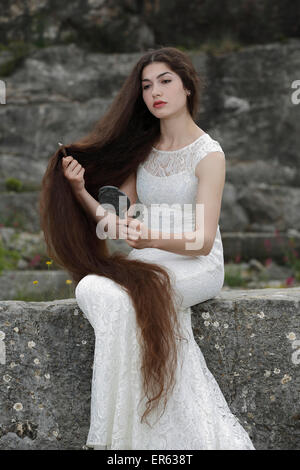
x: 159, y: 85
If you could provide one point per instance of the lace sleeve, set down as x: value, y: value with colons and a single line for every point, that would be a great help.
x: 208, y: 147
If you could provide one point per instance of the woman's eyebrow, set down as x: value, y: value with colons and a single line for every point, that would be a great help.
x: 147, y: 79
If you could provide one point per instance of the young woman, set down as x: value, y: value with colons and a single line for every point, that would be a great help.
x: 151, y: 388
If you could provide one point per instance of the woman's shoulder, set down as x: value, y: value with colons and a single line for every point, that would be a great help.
x: 204, y: 147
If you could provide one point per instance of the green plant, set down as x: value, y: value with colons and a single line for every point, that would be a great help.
x: 214, y: 46
x: 233, y: 276
x: 292, y: 258
x: 44, y: 296
x: 14, y: 219
x: 38, y: 295
x: 8, y: 258
x: 18, y: 50
x: 13, y: 184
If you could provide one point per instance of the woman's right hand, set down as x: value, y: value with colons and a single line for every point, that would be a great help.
x: 117, y: 228
x: 74, y: 172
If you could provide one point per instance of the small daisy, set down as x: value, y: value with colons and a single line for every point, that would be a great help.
x: 291, y: 336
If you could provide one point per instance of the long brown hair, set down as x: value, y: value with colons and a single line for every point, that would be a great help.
x: 113, y: 150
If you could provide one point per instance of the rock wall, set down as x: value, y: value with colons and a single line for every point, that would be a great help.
x: 247, y: 106
x: 133, y: 25
x: 250, y: 340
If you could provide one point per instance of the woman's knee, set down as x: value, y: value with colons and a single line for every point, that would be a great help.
x: 93, y: 285
x: 98, y: 295
x: 83, y: 287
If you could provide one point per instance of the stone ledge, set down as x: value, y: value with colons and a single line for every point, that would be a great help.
x: 250, y: 340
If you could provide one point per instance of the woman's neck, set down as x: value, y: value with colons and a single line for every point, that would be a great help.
x: 173, y: 141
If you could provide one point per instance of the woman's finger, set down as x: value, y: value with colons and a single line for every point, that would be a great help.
x: 134, y: 223
x: 123, y: 222
x: 67, y: 160
x: 135, y: 235
x: 78, y: 169
x: 123, y: 232
x: 128, y: 233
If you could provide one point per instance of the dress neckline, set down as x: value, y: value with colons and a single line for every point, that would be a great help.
x: 182, y: 148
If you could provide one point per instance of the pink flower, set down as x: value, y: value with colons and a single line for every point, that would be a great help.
x: 237, y: 259
x: 268, y: 261
x: 290, y: 281
x: 35, y: 260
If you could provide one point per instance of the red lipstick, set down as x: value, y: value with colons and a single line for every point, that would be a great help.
x: 159, y: 104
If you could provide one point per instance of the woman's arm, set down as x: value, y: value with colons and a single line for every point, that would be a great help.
x: 74, y: 173
x: 189, y: 243
x: 210, y: 172
x: 211, y: 179
x: 90, y: 205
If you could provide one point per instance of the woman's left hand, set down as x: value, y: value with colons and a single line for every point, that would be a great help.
x: 137, y: 234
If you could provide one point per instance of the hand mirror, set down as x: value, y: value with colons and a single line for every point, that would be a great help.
x: 111, y: 195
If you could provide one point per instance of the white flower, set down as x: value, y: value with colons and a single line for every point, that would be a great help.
x: 225, y: 325
x: 261, y: 314
x: 31, y: 344
x: 217, y: 346
x: 216, y: 324
x: 291, y: 336
x: 47, y: 376
x: 18, y: 406
x: 207, y: 323
x: 205, y: 315
x: 83, y: 341
x: 36, y: 361
x: 276, y: 371
x: 16, y: 329
x: 286, y: 378
x: 267, y: 373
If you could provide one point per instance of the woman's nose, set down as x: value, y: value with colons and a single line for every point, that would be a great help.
x: 156, y: 92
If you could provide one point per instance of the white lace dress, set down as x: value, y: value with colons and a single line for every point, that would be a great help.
x: 197, y: 416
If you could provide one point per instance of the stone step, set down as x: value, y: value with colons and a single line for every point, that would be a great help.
x: 249, y: 338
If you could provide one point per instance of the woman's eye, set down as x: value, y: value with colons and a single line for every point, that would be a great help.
x: 163, y: 81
